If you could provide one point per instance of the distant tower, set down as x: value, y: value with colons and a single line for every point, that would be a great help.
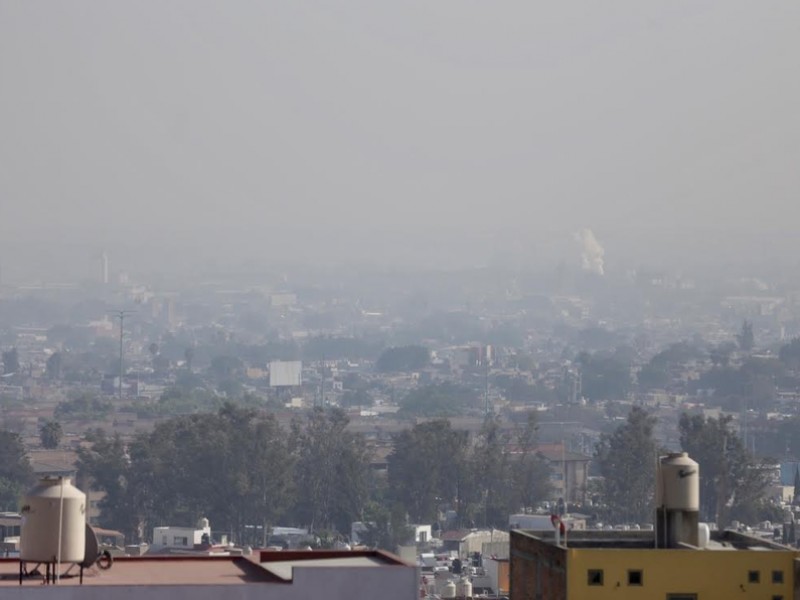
x: 573, y: 381
x: 104, y: 268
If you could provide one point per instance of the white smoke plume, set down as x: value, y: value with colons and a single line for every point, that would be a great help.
x: 591, y: 252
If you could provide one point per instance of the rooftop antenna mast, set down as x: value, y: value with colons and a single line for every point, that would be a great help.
x: 121, y: 314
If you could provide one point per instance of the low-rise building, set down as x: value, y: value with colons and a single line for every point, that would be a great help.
x: 626, y: 564
x: 333, y: 575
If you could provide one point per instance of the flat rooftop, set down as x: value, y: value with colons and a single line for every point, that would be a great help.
x: 161, y: 570
x: 260, y: 567
x: 282, y: 564
x: 645, y: 540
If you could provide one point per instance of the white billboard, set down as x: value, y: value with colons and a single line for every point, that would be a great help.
x: 285, y: 373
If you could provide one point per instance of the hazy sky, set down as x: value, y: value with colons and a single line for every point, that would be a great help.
x: 219, y: 121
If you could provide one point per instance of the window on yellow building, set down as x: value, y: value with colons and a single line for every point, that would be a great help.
x: 779, y: 597
x: 681, y: 596
x: 595, y: 576
x: 777, y: 577
x: 635, y: 577
x: 753, y: 576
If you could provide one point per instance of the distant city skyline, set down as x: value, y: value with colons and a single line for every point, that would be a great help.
x: 340, y: 134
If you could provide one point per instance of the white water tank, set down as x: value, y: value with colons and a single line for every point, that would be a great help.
x: 52, y: 501
x: 703, y: 535
x: 449, y: 590
x: 464, y: 588
x: 680, y: 483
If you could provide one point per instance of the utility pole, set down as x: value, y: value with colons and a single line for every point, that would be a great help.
x: 121, y: 314
x: 322, y: 385
x: 487, y: 408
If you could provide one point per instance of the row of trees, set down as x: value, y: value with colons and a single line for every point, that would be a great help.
x: 15, y: 470
x: 732, y: 480
x: 483, y: 479
x: 242, y: 469
x: 612, y: 375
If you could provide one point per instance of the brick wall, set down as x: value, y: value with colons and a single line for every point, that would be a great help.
x: 538, y: 569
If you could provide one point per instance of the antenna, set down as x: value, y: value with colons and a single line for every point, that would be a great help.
x: 322, y: 384
x: 121, y: 314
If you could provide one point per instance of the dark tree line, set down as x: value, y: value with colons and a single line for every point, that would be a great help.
x: 732, y: 480
x: 434, y: 467
x: 245, y: 472
x: 240, y: 469
x: 15, y: 470
x: 626, y: 459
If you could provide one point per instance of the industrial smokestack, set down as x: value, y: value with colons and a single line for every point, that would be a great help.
x: 592, y: 252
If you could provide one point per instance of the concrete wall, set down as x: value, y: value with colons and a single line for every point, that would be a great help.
x: 542, y: 571
x: 474, y: 541
x: 707, y: 573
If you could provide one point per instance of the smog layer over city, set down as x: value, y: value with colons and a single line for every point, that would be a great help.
x: 404, y: 277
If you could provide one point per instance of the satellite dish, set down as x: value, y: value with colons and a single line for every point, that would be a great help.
x: 92, y: 547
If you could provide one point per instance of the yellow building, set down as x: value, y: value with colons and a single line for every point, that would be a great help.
x: 680, y: 560
x: 626, y: 565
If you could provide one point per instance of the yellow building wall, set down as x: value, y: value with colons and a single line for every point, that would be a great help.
x: 711, y: 574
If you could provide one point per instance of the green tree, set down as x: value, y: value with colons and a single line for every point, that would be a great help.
x: 508, y: 474
x: 745, y: 338
x: 54, y: 366
x: 233, y: 467
x: 267, y: 468
x: 188, y: 355
x: 438, y: 400
x: 331, y: 470
x: 403, y: 358
x: 490, y: 462
x: 11, y: 362
x: 428, y: 468
x: 386, y: 527
x: 360, y: 397
x: 626, y: 460
x: 658, y: 372
x: 731, y: 480
x: 85, y: 406
x: 105, y: 466
x: 604, y: 377
x: 15, y: 470
x: 50, y: 434
x: 225, y: 367
x: 789, y: 355
x: 530, y: 473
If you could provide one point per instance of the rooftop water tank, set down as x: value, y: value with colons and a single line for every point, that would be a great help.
x: 464, y: 588
x: 449, y: 590
x: 680, y: 483
x: 703, y: 535
x: 52, y: 502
